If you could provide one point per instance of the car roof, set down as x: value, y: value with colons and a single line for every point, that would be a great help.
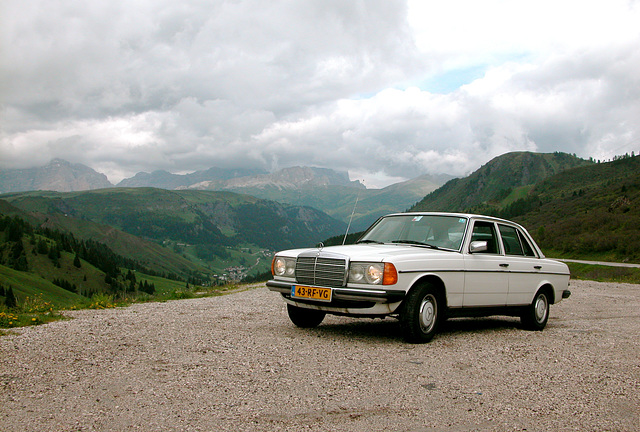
x: 465, y: 215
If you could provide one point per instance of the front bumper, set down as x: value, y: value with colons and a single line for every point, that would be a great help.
x: 347, y: 294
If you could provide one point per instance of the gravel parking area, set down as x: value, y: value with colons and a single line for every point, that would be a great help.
x: 236, y: 363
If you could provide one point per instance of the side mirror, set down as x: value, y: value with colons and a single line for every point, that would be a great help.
x: 478, y: 246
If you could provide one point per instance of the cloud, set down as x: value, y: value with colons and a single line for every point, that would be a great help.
x: 384, y: 89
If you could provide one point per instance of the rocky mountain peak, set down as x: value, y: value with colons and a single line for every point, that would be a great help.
x: 295, y: 178
x: 58, y: 175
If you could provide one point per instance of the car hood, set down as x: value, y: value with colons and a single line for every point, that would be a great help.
x: 374, y: 252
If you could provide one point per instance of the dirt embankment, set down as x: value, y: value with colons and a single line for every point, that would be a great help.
x: 235, y: 363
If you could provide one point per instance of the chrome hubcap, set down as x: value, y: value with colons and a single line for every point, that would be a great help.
x: 427, y: 313
x: 541, y: 308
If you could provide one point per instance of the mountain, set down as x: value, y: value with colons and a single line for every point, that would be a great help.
x: 511, y: 173
x: 573, y: 208
x: 589, y: 212
x: 207, y: 219
x: 52, y: 261
x: 332, y: 192
x: 147, y: 253
x: 57, y: 175
x: 287, y: 178
x: 166, y: 180
x: 66, y: 247
x: 397, y: 197
x: 328, y: 190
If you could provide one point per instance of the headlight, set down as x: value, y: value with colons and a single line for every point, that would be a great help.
x: 283, y: 266
x: 356, y: 273
x: 373, y: 273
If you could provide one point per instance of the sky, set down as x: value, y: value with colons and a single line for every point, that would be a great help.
x: 387, y: 90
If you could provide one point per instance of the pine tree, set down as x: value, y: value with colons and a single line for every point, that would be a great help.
x: 54, y: 255
x: 147, y: 288
x: 22, y: 264
x: 15, y: 230
x: 42, y: 247
x: 131, y: 276
x: 18, y: 258
x: 10, y: 299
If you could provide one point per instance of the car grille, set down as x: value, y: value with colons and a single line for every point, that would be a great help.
x: 321, y: 271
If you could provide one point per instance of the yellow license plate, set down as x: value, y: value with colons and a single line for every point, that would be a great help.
x: 311, y: 293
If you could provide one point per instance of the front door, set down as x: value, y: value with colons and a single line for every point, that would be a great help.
x: 486, y: 273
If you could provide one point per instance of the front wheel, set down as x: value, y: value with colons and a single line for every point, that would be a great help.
x: 536, y: 315
x: 421, y: 314
x: 305, y: 318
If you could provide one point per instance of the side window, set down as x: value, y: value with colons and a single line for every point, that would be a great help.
x: 486, y: 231
x: 510, y: 241
x: 528, y: 250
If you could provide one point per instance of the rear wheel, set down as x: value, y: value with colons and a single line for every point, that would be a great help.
x: 421, y: 314
x: 305, y: 318
x: 536, y: 315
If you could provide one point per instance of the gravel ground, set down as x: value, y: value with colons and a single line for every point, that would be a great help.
x: 235, y: 363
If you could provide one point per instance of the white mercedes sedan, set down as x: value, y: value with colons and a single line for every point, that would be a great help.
x: 423, y: 268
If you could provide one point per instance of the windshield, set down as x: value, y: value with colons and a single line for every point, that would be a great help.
x: 441, y: 232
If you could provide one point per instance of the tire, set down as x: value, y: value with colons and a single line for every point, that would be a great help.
x: 421, y: 314
x: 305, y: 318
x: 536, y: 315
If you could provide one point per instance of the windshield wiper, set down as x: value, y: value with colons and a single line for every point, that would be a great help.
x: 368, y: 241
x: 416, y: 243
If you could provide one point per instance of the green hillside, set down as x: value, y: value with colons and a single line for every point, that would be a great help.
x: 43, y: 270
x: 338, y: 201
x: 185, y: 234
x: 188, y: 216
x: 55, y: 267
x: 67, y: 248
x: 505, y: 176
x: 391, y: 199
x: 148, y: 253
x: 33, y: 285
x: 573, y: 208
x: 591, y: 211
x: 586, y: 212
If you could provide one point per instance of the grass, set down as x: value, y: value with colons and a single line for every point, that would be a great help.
x: 599, y: 273
x: 30, y: 285
x: 40, y: 301
x: 35, y: 310
x: 604, y: 273
x: 516, y: 194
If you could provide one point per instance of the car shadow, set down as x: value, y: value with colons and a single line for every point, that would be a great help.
x: 480, y: 324
x: 389, y: 329
x: 364, y: 329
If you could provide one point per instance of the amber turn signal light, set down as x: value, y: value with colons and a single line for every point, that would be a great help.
x: 390, y: 274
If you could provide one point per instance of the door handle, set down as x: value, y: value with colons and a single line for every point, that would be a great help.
x: 537, y: 267
x: 504, y: 265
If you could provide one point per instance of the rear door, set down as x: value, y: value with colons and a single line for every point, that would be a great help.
x: 523, y: 265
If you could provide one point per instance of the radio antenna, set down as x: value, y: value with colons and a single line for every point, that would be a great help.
x: 351, y: 218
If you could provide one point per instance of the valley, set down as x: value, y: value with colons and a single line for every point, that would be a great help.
x: 195, y: 236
